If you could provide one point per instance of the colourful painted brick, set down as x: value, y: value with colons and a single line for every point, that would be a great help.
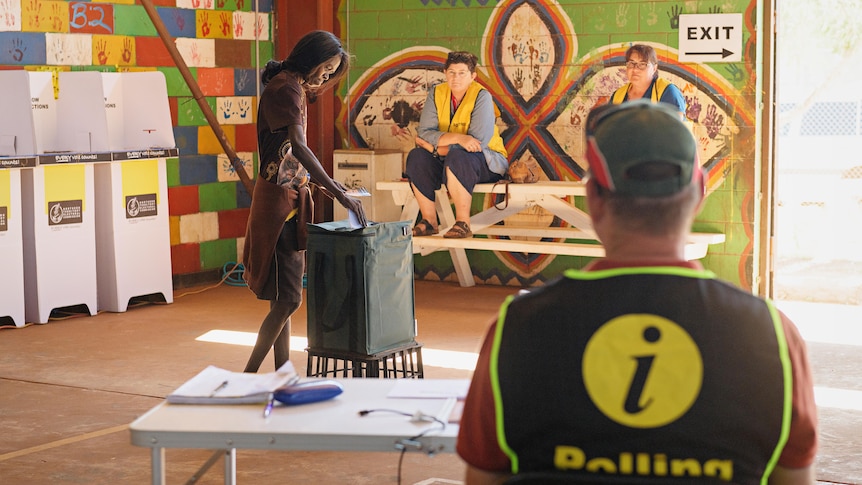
x: 183, y: 200
x: 185, y: 258
x: 232, y: 223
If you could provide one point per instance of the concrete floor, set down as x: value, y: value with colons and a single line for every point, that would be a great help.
x: 69, y: 389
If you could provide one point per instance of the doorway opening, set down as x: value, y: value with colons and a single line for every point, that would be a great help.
x: 818, y: 197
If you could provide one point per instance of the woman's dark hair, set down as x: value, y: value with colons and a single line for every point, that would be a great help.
x: 312, y: 50
x: 646, y: 52
x: 461, y: 57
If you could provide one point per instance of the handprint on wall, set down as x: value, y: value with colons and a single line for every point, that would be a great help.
x: 243, y: 80
x: 17, y: 50
x: 673, y: 15
x: 652, y: 15
x: 578, y: 116
x: 179, y: 20
x: 227, y: 109
x: 101, y: 52
x: 196, y: 57
x: 205, y: 24
x: 57, y: 15
x: 259, y: 27
x: 225, y: 24
x: 237, y: 28
x: 736, y: 74
x: 33, y: 12
x: 9, y: 19
x: 692, y: 108
x: 714, y: 121
x: 622, y: 15
x: 127, y: 50
x: 244, y: 108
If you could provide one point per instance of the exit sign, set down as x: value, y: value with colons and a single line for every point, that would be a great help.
x: 710, y: 37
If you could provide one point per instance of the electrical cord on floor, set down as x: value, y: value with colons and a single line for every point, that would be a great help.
x: 411, y: 441
x: 233, y: 276
x: 226, y: 274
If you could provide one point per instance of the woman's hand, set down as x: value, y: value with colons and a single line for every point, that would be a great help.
x: 355, y: 206
x: 424, y: 144
x: 470, y: 144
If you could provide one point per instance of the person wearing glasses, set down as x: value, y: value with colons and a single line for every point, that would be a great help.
x: 458, y: 145
x: 601, y: 376
x: 274, y: 251
x: 644, y: 82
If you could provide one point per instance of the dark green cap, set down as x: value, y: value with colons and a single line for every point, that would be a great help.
x: 641, y: 148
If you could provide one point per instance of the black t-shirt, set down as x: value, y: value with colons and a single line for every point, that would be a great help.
x: 282, y: 104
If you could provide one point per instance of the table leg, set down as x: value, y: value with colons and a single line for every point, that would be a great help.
x: 230, y: 467
x: 158, y: 465
x: 410, y: 209
x: 567, y: 212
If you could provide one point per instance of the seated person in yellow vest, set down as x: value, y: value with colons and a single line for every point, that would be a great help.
x: 642, y: 367
x: 458, y: 145
x: 643, y: 80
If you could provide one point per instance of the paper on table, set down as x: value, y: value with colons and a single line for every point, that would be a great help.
x: 430, y: 388
x: 214, y: 385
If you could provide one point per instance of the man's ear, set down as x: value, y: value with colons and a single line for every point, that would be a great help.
x: 595, y: 202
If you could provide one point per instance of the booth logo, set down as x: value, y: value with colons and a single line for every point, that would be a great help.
x: 642, y: 370
x: 141, y: 206
x: 65, y: 212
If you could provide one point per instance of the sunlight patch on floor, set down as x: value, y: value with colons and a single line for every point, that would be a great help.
x: 825, y: 322
x: 828, y: 397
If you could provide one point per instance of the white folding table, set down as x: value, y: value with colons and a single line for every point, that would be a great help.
x: 333, y: 425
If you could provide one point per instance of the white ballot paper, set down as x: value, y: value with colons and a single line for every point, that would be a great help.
x: 214, y: 385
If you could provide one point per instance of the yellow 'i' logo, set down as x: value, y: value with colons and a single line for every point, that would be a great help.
x: 642, y: 370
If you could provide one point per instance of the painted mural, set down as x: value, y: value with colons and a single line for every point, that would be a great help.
x: 544, y: 86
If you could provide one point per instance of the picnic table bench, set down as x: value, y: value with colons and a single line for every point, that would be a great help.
x: 550, y: 195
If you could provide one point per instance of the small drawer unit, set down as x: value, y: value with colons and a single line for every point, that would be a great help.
x: 363, y: 168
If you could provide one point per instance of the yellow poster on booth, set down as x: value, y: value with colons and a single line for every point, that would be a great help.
x: 140, y: 188
x: 65, y: 192
x: 5, y: 199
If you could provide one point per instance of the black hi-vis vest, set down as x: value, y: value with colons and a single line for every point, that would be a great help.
x: 642, y: 375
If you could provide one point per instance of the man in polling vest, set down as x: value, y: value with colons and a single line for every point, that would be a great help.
x: 643, y: 367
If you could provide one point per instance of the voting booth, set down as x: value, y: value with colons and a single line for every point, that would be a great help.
x: 132, y: 224
x: 17, y: 152
x: 95, y: 228
x: 57, y: 195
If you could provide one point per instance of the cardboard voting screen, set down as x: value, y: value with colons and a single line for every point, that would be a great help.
x: 81, y: 121
x: 17, y: 136
x: 138, y: 112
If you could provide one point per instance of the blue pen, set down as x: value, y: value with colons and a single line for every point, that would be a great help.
x: 270, y: 401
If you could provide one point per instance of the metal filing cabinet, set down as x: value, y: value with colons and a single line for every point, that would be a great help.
x: 356, y: 168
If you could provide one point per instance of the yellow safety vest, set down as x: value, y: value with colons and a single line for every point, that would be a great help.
x: 461, y: 121
x: 620, y: 94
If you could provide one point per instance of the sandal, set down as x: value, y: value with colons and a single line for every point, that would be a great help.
x: 459, y: 231
x: 424, y: 228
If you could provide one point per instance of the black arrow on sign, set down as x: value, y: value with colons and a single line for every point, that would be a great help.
x: 724, y: 53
